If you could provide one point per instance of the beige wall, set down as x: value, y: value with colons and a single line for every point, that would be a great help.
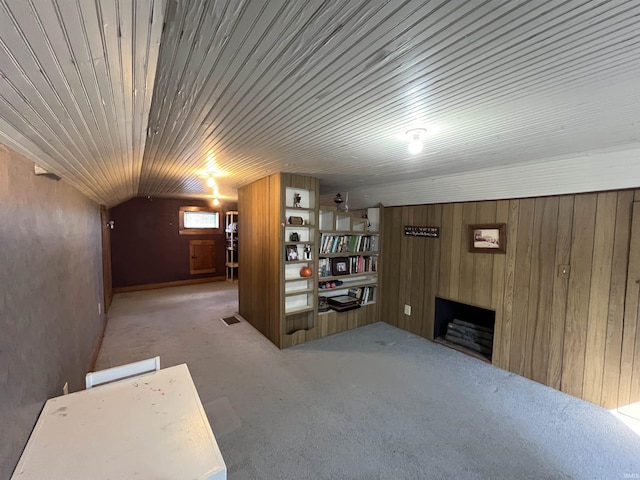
x: 562, y: 332
x: 50, y: 286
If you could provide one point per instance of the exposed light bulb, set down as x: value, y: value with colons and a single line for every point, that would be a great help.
x: 415, y: 140
x: 216, y: 202
x: 211, y: 182
x: 415, y: 147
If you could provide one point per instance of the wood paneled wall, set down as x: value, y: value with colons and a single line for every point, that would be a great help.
x: 569, y: 333
x: 260, y: 250
x: 258, y: 271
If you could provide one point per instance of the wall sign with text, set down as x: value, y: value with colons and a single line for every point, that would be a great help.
x: 433, y: 232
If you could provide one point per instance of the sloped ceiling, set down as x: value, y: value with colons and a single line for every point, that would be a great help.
x: 76, y: 82
x: 125, y: 98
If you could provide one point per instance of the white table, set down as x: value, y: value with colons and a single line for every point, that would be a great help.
x: 150, y: 426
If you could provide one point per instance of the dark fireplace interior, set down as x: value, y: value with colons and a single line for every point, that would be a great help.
x: 472, y: 331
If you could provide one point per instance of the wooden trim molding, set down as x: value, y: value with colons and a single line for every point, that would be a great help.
x: 199, y: 231
x: 177, y: 283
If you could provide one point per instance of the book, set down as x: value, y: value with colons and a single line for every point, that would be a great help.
x: 353, y: 241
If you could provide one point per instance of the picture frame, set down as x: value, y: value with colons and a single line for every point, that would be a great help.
x: 292, y: 253
x: 340, y: 266
x: 488, y: 238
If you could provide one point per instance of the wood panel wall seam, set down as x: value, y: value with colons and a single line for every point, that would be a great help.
x: 566, y: 332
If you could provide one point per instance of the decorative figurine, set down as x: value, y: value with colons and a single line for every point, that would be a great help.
x: 296, y: 200
x: 338, y: 200
x: 307, y: 251
x: 366, y: 217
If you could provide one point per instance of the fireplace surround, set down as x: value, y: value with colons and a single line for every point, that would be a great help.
x: 447, y: 310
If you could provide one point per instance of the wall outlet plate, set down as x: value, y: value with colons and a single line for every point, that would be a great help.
x: 407, y: 309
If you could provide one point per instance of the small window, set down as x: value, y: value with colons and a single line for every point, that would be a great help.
x: 199, y: 221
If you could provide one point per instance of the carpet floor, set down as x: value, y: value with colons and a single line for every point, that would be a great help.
x: 372, y: 403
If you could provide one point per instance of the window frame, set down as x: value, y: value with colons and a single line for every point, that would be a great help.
x: 182, y: 230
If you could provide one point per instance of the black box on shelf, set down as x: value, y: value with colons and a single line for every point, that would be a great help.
x: 342, y: 303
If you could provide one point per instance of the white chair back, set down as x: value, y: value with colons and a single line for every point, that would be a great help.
x: 123, y: 371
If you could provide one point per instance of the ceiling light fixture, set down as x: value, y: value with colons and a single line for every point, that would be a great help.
x: 211, y: 182
x: 415, y: 140
x: 216, y: 202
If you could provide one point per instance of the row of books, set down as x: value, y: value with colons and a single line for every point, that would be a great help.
x: 364, y: 294
x: 348, y: 243
x: 328, y: 267
x: 324, y: 267
x: 362, y: 264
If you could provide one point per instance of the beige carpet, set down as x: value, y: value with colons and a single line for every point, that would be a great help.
x: 372, y: 403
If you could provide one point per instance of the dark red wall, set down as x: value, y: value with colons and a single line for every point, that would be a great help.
x: 146, y: 246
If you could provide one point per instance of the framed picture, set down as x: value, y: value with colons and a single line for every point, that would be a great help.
x: 340, y: 266
x: 488, y: 238
x: 292, y: 253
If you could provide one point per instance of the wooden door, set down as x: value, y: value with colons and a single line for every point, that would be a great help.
x: 202, y: 258
x: 629, y: 392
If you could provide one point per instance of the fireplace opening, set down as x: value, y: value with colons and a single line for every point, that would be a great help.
x: 464, y: 327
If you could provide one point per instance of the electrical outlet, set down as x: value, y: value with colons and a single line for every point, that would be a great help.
x: 65, y: 388
x: 99, y: 308
x: 407, y: 309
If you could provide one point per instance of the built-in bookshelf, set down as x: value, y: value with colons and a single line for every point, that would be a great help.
x: 299, y: 246
x: 281, y: 280
x: 348, y: 264
x: 274, y: 295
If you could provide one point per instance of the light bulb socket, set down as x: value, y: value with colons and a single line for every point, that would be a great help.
x: 416, y: 133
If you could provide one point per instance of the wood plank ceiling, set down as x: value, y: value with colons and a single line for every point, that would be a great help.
x: 124, y: 98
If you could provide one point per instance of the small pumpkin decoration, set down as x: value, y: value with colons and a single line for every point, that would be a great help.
x: 306, y: 272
